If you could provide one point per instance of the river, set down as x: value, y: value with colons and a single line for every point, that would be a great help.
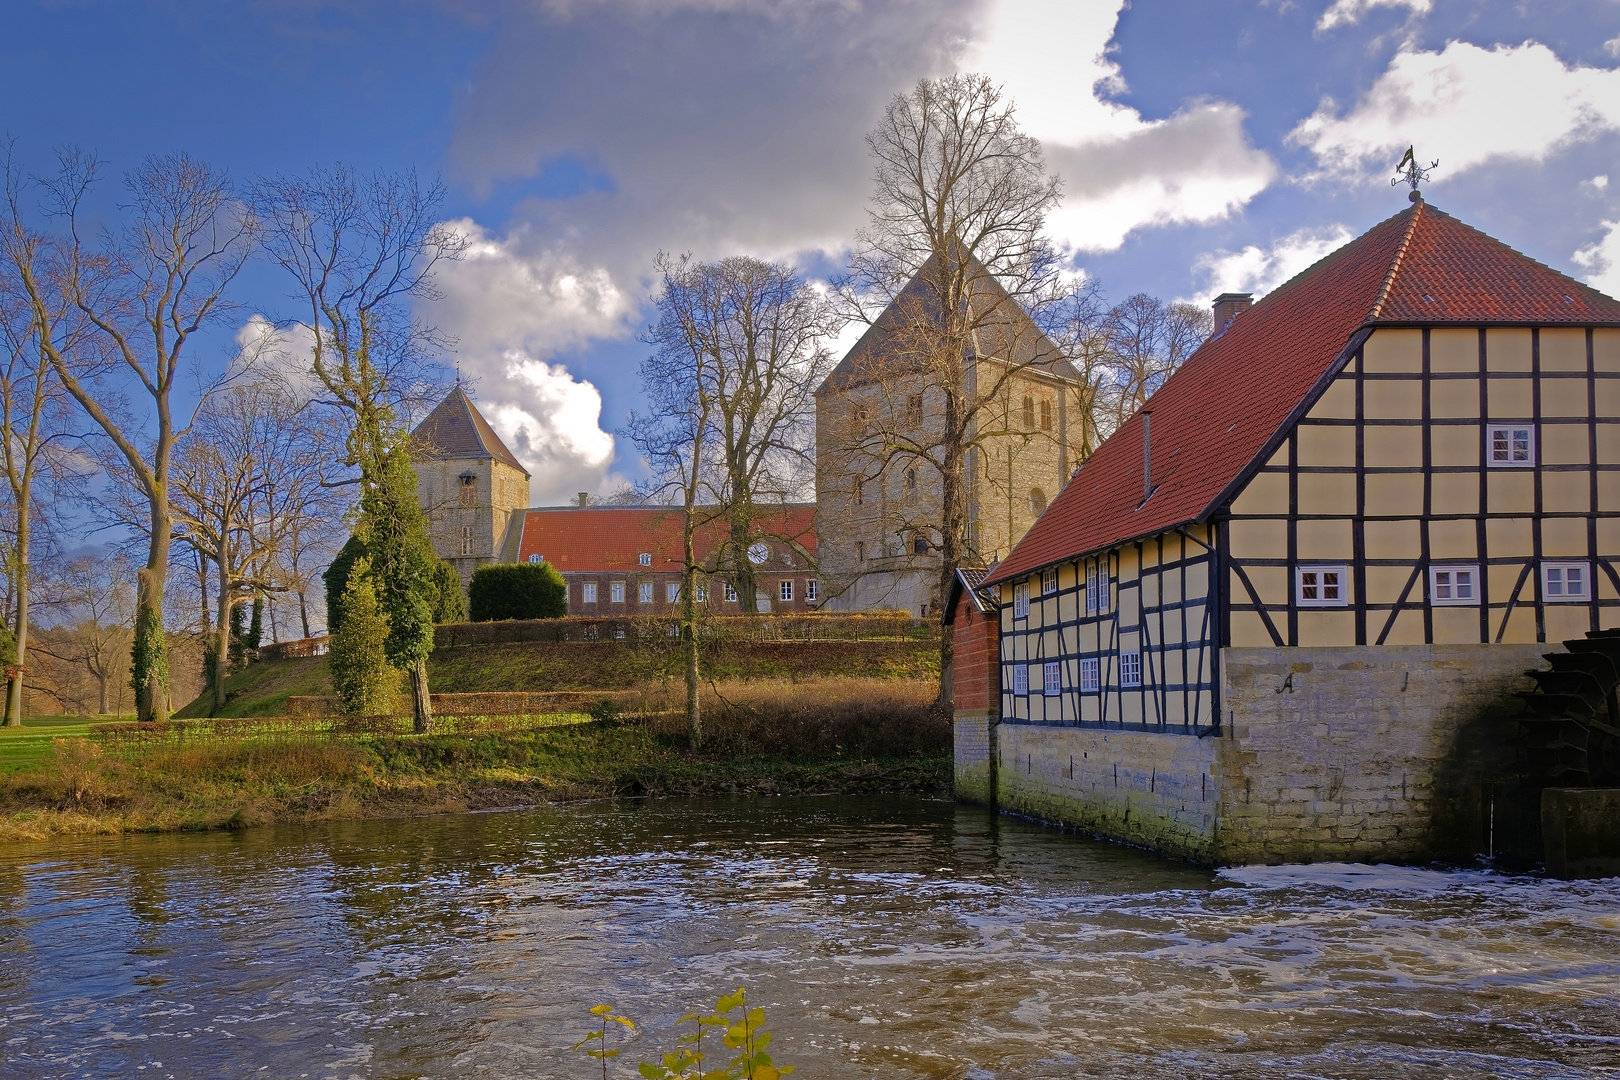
x: 886, y: 937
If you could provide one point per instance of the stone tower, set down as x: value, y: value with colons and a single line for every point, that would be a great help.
x: 469, y: 483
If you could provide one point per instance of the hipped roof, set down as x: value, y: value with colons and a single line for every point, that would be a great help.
x: 611, y: 539
x: 1241, y: 391
x: 456, y: 429
x: 1006, y: 332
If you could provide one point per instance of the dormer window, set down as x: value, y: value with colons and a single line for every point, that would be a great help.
x: 645, y: 558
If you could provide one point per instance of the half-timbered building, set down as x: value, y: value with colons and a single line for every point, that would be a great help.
x: 1267, y: 616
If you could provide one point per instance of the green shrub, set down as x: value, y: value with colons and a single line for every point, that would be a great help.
x: 517, y: 591
x: 449, y: 602
x: 337, y: 581
x: 361, y: 675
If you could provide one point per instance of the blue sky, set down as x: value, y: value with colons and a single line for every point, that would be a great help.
x: 1205, y: 145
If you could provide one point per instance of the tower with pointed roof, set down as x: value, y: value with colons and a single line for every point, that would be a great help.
x: 1286, y: 612
x: 880, y: 415
x: 469, y: 483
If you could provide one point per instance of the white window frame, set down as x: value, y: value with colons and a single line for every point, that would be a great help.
x: 1454, y: 585
x: 672, y: 592
x: 645, y: 558
x: 1049, y: 581
x: 730, y: 593
x: 1052, y: 679
x: 1511, y: 431
x: 1097, y: 585
x: 1091, y: 675
x: 1021, y: 600
x: 1315, y: 573
x: 588, y: 592
x: 617, y: 592
x: 810, y: 590
x: 1130, y: 669
x: 702, y: 592
x: 1555, y: 576
x: 784, y: 590
x: 644, y: 593
x: 1020, y: 685
x: 536, y: 558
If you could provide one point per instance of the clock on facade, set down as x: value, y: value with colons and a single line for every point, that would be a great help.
x: 758, y: 553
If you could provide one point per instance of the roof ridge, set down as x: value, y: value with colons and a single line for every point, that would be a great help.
x: 1400, y: 257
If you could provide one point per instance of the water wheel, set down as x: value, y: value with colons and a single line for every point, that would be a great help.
x: 1570, y: 732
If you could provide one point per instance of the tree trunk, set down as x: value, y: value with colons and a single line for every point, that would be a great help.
x: 150, y: 655
x: 303, y: 612
x: 14, y: 677
x: 222, y: 647
x: 953, y: 521
x: 689, y: 638
x: 106, y: 698
x: 421, y: 703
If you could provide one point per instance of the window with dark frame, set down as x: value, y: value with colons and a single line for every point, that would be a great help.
x: 914, y: 410
x: 1046, y: 414
x: 469, y: 489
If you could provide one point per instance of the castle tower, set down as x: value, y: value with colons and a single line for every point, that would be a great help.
x: 468, y: 482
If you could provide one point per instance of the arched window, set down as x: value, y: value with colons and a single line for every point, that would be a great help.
x: 919, y: 544
x: 1029, y: 413
x: 860, y: 491
x: 911, y: 479
x: 466, y: 540
x: 1046, y: 414
x: 1037, y: 501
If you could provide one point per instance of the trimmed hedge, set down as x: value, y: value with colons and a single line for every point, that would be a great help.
x: 502, y: 591
x: 840, y: 626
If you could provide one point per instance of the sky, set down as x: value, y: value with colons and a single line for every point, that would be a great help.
x: 1204, y: 145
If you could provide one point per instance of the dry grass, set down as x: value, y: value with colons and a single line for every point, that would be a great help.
x: 818, y: 715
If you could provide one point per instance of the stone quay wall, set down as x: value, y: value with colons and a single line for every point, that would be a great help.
x: 1368, y: 753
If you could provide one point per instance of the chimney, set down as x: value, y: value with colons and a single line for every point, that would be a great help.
x: 1228, y: 306
x: 1147, y: 455
x: 584, y: 499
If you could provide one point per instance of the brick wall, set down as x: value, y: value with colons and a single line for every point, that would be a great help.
x: 977, y: 692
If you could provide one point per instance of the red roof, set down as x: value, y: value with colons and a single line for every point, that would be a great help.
x: 611, y: 539
x: 1219, y: 413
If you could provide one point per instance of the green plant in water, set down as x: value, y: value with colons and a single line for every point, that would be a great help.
x: 744, y: 1033
x: 602, y: 1053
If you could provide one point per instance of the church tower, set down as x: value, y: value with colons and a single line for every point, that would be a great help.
x: 468, y: 482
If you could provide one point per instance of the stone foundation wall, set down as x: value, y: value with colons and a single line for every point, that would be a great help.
x: 1401, y: 753
x: 1158, y: 791
x: 1367, y: 753
x: 975, y: 770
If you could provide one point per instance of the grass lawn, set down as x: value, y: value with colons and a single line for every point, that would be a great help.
x: 31, y: 743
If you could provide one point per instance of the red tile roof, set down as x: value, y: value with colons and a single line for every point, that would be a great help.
x: 1218, y: 414
x: 610, y: 539
x: 456, y: 429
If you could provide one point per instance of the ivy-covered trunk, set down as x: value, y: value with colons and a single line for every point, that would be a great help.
x: 149, y: 658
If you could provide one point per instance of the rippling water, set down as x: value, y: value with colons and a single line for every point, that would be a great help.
x: 887, y: 937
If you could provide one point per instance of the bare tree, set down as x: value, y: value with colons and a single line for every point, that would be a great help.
x: 360, y: 250
x: 32, y: 420
x: 145, y: 289
x: 953, y: 254
x: 247, y: 475
x: 92, y: 610
x: 1146, y: 341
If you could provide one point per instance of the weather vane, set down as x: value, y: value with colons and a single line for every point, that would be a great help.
x: 1410, y: 172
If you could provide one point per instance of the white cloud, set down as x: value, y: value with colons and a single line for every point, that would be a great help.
x: 1601, y: 260
x: 1464, y: 106
x: 511, y: 304
x: 1349, y: 12
x: 1612, y: 46
x: 1259, y: 270
x: 1122, y: 172
x: 1598, y: 184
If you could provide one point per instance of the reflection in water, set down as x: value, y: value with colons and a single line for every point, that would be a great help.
x: 888, y: 937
